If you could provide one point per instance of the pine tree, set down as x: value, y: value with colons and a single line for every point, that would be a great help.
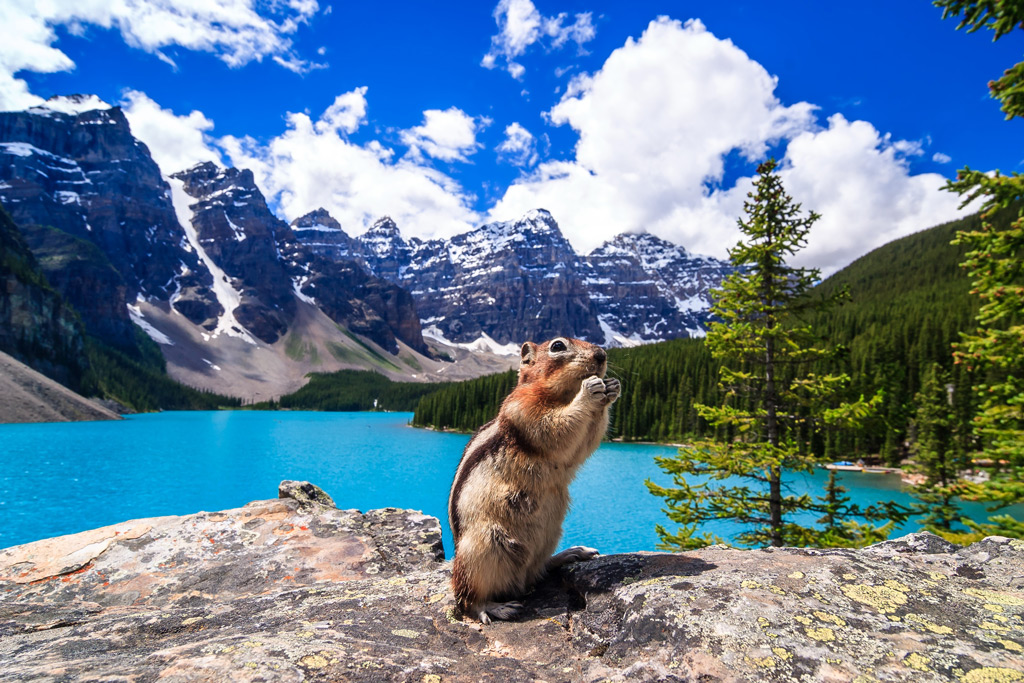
x: 840, y: 527
x: 995, y: 263
x: 936, y: 454
x: 772, y: 401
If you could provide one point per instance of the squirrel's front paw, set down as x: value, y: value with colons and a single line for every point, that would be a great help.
x: 612, y: 389
x: 593, y: 389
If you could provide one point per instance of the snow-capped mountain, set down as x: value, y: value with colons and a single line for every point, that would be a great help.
x: 94, y: 209
x: 648, y: 288
x: 112, y: 231
x: 509, y: 281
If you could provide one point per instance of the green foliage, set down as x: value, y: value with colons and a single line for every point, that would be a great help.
x: 774, y: 402
x: 464, y: 406
x: 995, y: 351
x: 349, y: 390
x: 936, y: 453
x: 141, y: 382
x: 909, y: 302
x: 840, y: 527
x: 995, y: 263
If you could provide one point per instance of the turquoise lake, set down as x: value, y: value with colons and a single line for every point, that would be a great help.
x: 63, y: 478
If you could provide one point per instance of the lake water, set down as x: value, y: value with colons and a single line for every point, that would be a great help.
x: 67, y: 477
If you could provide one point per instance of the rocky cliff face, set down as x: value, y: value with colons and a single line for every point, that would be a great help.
x: 295, y: 589
x: 263, y: 265
x: 36, y: 326
x: 80, y: 171
x: 235, y: 235
x: 519, y: 280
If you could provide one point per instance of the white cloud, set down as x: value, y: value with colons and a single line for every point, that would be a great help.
x: 519, y: 146
x: 313, y: 164
x: 520, y: 25
x: 346, y: 114
x: 237, y: 31
x: 580, y: 31
x: 860, y: 183
x: 448, y: 135
x: 656, y: 124
x: 175, y: 142
x: 941, y: 158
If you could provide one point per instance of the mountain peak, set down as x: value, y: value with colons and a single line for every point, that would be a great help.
x: 386, y: 227
x: 539, y: 220
x: 318, y: 219
x: 204, y: 169
x: 641, y: 244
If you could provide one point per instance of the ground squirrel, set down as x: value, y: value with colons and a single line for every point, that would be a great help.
x: 511, y: 489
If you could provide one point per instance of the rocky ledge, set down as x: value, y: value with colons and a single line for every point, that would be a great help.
x: 295, y: 589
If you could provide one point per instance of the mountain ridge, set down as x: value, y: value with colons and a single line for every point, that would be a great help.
x: 636, y: 288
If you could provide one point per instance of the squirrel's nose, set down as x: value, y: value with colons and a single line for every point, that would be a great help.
x: 600, y: 356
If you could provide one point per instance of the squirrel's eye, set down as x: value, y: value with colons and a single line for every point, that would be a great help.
x: 558, y: 345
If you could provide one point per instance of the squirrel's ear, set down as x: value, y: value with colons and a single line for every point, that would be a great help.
x: 527, y: 353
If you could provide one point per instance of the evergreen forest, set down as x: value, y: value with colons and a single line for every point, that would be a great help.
x: 350, y: 390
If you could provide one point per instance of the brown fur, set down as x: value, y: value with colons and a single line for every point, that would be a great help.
x: 510, y: 492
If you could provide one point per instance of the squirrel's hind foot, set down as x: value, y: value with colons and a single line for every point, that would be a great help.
x: 502, y: 611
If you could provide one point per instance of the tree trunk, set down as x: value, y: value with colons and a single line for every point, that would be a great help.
x: 775, y: 473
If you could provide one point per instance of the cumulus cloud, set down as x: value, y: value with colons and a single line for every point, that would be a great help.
x: 448, y: 135
x: 860, y: 182
x: 941, y: 158
x: 314, y: 163
x: 236, y: 31
x: 656, y: 124
x: 175, y: 142
x: 520, y: 26
x: 519, y: 146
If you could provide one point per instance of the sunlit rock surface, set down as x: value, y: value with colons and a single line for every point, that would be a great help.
x: 286, y: 591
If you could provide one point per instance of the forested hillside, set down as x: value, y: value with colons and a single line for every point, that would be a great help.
x: 464, y: 406
x: 349, y: 390
x: 909, y: 300
x: 140, y: 380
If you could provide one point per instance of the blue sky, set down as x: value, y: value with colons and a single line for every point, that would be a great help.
x: 449, y: 114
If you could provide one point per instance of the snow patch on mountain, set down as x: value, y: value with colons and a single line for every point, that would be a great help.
x: 69, y: 104
x: 135, y: 313
x: 483, y: 344
x: 228, y: 297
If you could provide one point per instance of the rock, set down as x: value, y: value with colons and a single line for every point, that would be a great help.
x: 37, y: 326
x: 305, y: 493
x: 29, y: 396
x: 277, y: 591
x: 650, y: 289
